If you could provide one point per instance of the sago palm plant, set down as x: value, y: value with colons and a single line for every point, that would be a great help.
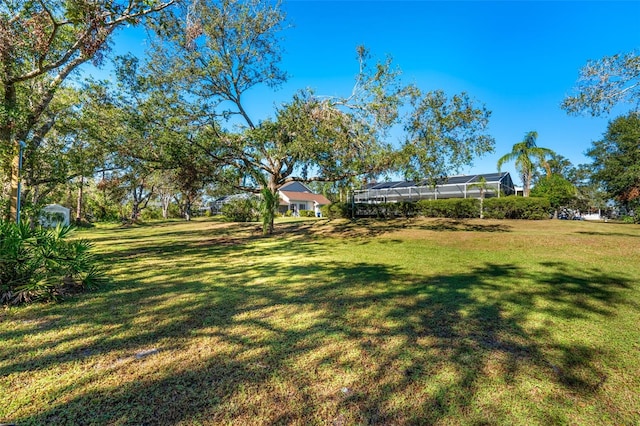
x: 40, y: 263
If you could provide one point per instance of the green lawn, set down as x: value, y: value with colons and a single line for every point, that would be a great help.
x: 338, y: 323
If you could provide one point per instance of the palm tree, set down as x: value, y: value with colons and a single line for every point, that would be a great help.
x: 525, y: 153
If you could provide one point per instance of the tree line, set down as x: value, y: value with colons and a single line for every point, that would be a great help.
x: 175, y: 124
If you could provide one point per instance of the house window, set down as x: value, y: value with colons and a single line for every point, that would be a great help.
x: 303, y: 206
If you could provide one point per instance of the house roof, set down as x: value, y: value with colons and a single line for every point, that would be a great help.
x: 295, y: 187
x: 451, y: 180
x: 305, y: 196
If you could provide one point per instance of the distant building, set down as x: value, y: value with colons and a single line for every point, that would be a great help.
x: 215, y: 207
x: 467, y: 186
x: 296, y: 196
x: 54, y: 215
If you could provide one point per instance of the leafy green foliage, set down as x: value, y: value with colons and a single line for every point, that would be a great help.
x: 41, y: 44
x: 336, y: 210
x: 241, y: 209
x: 386, y: 210
x: 40, y: 264
x: 443, y: 134
x: 616, y: 160
x: 232, y: 46
x: 517, y: 208
x: 453, y: 208
x: 558, y: 190
x: 606, y: 82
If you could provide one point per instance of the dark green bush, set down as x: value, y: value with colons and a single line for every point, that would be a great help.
x: 517, y: 208
x: 631, y: 219
x: 453, y: 208
x: 336, y: 210
x: 307, y: 213
x: 39, y: 263
x: 241, y: 210
x: 151, y: 213
x: 386, y: 210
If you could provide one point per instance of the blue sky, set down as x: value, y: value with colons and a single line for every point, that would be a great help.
x: 520, y: 58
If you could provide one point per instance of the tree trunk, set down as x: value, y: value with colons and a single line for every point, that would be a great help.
x: 187, y: 209
x: 527, y: 185
x: 166, y: 201
x: 273, y: 188
x: 7, y: 134
x: 15, y: 178
x: 79, y: 205
x: 135, y: 210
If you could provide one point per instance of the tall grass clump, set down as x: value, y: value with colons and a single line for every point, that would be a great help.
x: 41, y: 264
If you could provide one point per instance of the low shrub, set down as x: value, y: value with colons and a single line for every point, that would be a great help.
x: 241, y: 210
x: 39, y: 263
x: 336, y: 210
x: 386, y: 210
x: 517, y: 208
x: 307, y: 213
x: 458, y: 208
x: 151, y: 213
x: 453, y: 208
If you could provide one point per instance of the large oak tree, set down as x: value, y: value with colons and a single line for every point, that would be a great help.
x: 232, y: 46
x: 41, y: 43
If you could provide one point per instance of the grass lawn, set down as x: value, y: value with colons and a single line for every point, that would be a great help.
x: 338, y: 323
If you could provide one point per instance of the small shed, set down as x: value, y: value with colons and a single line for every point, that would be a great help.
x: 54, y: 215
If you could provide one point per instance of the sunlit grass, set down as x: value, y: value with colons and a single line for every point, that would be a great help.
x: 420, y: 322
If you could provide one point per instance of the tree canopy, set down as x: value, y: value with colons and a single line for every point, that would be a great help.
x: 181, y: 114
x: 605, y: 83
x: 444, y: 134
x: 616, y: 160
x: 558, y: 190
x: 41, y: 44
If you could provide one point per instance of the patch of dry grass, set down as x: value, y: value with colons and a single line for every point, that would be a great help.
x: 399, y: 322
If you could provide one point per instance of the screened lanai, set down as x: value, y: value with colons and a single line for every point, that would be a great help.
x: 467, y: 186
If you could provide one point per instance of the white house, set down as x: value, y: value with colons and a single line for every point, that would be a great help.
x: 295, y: 196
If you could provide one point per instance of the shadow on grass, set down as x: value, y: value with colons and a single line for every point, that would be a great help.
x: 322, y: 343
x: 610, y: 234
x: 368, y: 228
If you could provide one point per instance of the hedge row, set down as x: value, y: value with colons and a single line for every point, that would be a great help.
x: 534, y: 208
x: 301, y: 213
x: 453, y: 208
x: 336, y: 210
